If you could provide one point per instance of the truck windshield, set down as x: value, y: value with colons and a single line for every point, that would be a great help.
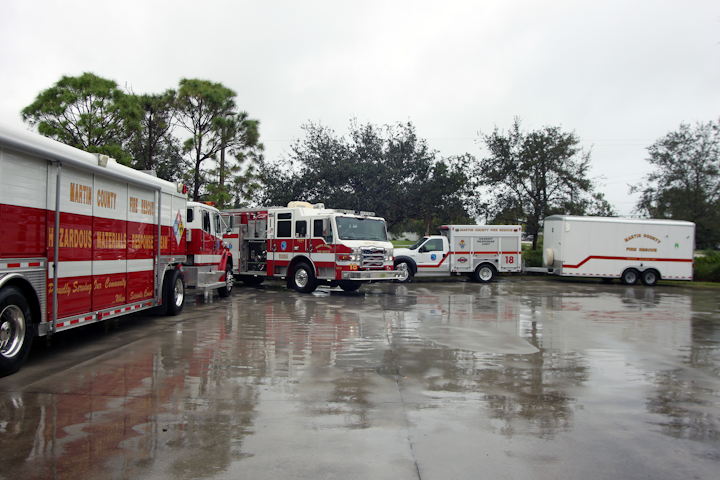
x: 418, y: 243
x: 353, y: 228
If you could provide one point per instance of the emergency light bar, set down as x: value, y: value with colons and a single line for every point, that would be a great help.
x: 354, y: 212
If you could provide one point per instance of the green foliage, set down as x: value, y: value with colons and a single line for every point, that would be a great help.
x: 388, y: 170
x: 207, y: 111
x: 686, y: 184
x: 87, y: 112
x: 530, y: 175
x: 707, y: 268
x: 153, y: 146
x: 532, y: 258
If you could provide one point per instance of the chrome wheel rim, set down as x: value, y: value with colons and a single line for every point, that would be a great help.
x: 630, y: 277
x: 12, y: 331
x: 179, y: 294
x: 485, y: 274
x: 229, y: 281
x: 403, y: 267
x: 301, y: 278
x: 650, y: 277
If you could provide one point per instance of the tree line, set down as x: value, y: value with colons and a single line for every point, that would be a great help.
x: 182, y: 135
x: 197, y: 134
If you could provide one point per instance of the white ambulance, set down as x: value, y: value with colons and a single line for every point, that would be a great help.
x: 477, y: 251
x: 608, y: 248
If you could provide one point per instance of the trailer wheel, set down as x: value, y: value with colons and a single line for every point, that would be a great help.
x: 404, y: 266
x: 630, y: 277
x: 485, y: 273
x: 229, y: 281
x: 303, y: 278
x: 174, y: 292
x: 15, y: 330
x: 650, y: 278
x: 252, y: 280
x: 350, y: 286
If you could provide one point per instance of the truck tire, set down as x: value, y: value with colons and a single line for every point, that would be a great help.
x: 350, y: 286
x: 485, y: 273
x: 406, y: 266
x: 650, y: 278
x: 630, y: 276
x: 174, y: 292
x: 16, y: 330
x: 229, y: 281
x: 303, y: 278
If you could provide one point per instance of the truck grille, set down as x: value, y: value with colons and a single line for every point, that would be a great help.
x: 372, y: 257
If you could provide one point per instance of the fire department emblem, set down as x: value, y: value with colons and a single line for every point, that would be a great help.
x: 462, y: 260
x: 433, y: 257
x: 462, y: 244
x: 178, y: 227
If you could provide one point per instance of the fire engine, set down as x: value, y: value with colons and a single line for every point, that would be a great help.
x: 308, y: 245
x: 84, y: 239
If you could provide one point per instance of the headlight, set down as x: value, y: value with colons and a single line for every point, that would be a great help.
x: 389, y: 254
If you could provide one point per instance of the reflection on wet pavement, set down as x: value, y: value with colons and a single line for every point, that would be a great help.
x: 532, y: 379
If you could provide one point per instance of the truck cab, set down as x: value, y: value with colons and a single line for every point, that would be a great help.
x: 428, y: 257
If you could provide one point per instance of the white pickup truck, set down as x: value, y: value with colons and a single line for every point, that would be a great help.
x: 478, y: 251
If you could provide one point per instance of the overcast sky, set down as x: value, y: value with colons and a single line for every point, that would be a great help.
x: 621, y: 74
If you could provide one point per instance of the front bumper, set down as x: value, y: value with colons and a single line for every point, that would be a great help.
x: 373, y: 275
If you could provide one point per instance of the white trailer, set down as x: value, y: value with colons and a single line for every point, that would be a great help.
x: 477, y: 251
x: 608, y: 247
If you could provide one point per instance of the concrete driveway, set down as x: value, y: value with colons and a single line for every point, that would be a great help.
x: 524, y: 378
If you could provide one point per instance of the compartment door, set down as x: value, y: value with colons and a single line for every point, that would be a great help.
x: 509, y: 253
x: 461, y: 249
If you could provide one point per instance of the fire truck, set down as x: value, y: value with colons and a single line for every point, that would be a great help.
x: 84, y: 239
x: 308, y: 245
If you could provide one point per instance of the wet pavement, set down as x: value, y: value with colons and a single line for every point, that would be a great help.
x: 524, y: 378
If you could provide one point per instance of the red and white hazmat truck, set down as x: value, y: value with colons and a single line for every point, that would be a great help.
x: 628, y: 249
x: 309, y: 245
x: 84, y: 239
x: 478, y: 251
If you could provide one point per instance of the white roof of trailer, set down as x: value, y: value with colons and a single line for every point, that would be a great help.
x: 34, y: 144
x: 633, y: 221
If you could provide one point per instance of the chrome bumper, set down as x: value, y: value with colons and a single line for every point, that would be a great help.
x: 369, y: 275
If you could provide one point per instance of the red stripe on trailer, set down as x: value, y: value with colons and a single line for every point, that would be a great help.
x: 638, y: 259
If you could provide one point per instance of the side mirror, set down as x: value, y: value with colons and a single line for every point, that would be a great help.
x: 422, y: 249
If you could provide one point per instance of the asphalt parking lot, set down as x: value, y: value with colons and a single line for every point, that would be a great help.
x: 528, y: 378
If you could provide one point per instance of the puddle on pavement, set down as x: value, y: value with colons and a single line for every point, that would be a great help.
x: 481, y: 340
x: 520, y: 360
